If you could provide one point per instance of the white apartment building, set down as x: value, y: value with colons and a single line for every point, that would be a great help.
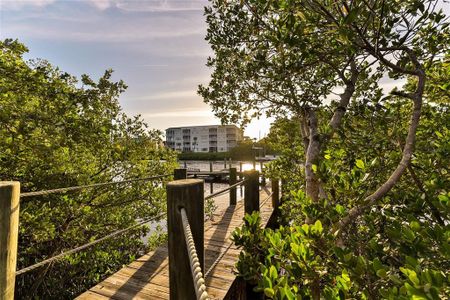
x: 213, y: 138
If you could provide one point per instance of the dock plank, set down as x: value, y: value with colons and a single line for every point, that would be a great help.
x: 148, y: 276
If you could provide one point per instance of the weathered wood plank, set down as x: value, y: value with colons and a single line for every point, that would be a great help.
x: 148, y: 276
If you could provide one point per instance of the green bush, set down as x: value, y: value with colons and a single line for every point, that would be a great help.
x: 56, y: 132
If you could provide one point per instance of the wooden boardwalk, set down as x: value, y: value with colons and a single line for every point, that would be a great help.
x: 148, y: 276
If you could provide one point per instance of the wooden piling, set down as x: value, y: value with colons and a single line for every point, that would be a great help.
x: 9, y: 231
x: 263, y: 178
x: 233, y: 191
x: 251, y: 198
x: 240, y: 176
x: 275, y: 193
x: 179, y: 174
x: 187, y: 194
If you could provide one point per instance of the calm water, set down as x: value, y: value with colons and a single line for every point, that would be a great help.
x: 221, y: 201
x: 218, y: 165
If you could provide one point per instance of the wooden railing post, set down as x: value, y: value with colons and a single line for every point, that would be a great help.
x: 263, y: 178
x: 233, y: 191
x: 240, y: 176
x: 275, y: 193
x: 179, y: 174
x: 9, y: 231
x: 251, y: 194
x: 211, y: 187
x: 187, y: 194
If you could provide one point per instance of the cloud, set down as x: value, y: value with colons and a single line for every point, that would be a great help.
x: 169, y: 95
x: 91, y: 22
x: 100, y: 4
x: 179, y: 113
x: 154, y: 66
x: 125, y: 5
x: 160, y: 6
x: 20, y: 4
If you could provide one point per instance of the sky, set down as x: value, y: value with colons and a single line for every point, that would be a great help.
x: 156, y: 47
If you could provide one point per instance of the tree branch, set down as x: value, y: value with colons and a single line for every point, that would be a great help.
x: 408, y: 150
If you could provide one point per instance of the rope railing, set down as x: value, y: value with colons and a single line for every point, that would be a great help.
x: 176, y: 191
x: 224, y: 190
x: 79, y: 187
x: 196, y: 270
x: 77, y: 249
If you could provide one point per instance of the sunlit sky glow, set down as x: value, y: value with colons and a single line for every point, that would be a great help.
x: 156, y: 47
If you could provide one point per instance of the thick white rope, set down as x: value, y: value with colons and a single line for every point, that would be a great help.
x: 197, y: 276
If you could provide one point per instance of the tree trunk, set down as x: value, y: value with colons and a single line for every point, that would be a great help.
x: 312, y: 153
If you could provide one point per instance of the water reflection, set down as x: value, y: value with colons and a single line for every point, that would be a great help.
x: 220, y: 165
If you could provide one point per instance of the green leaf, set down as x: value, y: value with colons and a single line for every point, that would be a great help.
x: 318, y: 226
x: 273, y: 273
x: 381, y: 273
x: 269, y: 292
x: 340, y: 209
x: 377, y: 265
x: 414, y: 225
x: 351, y: 16
x: 305, y: 228
x: 360, y: 164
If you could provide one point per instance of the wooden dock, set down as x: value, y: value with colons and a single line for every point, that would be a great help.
x: 148, y: 276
